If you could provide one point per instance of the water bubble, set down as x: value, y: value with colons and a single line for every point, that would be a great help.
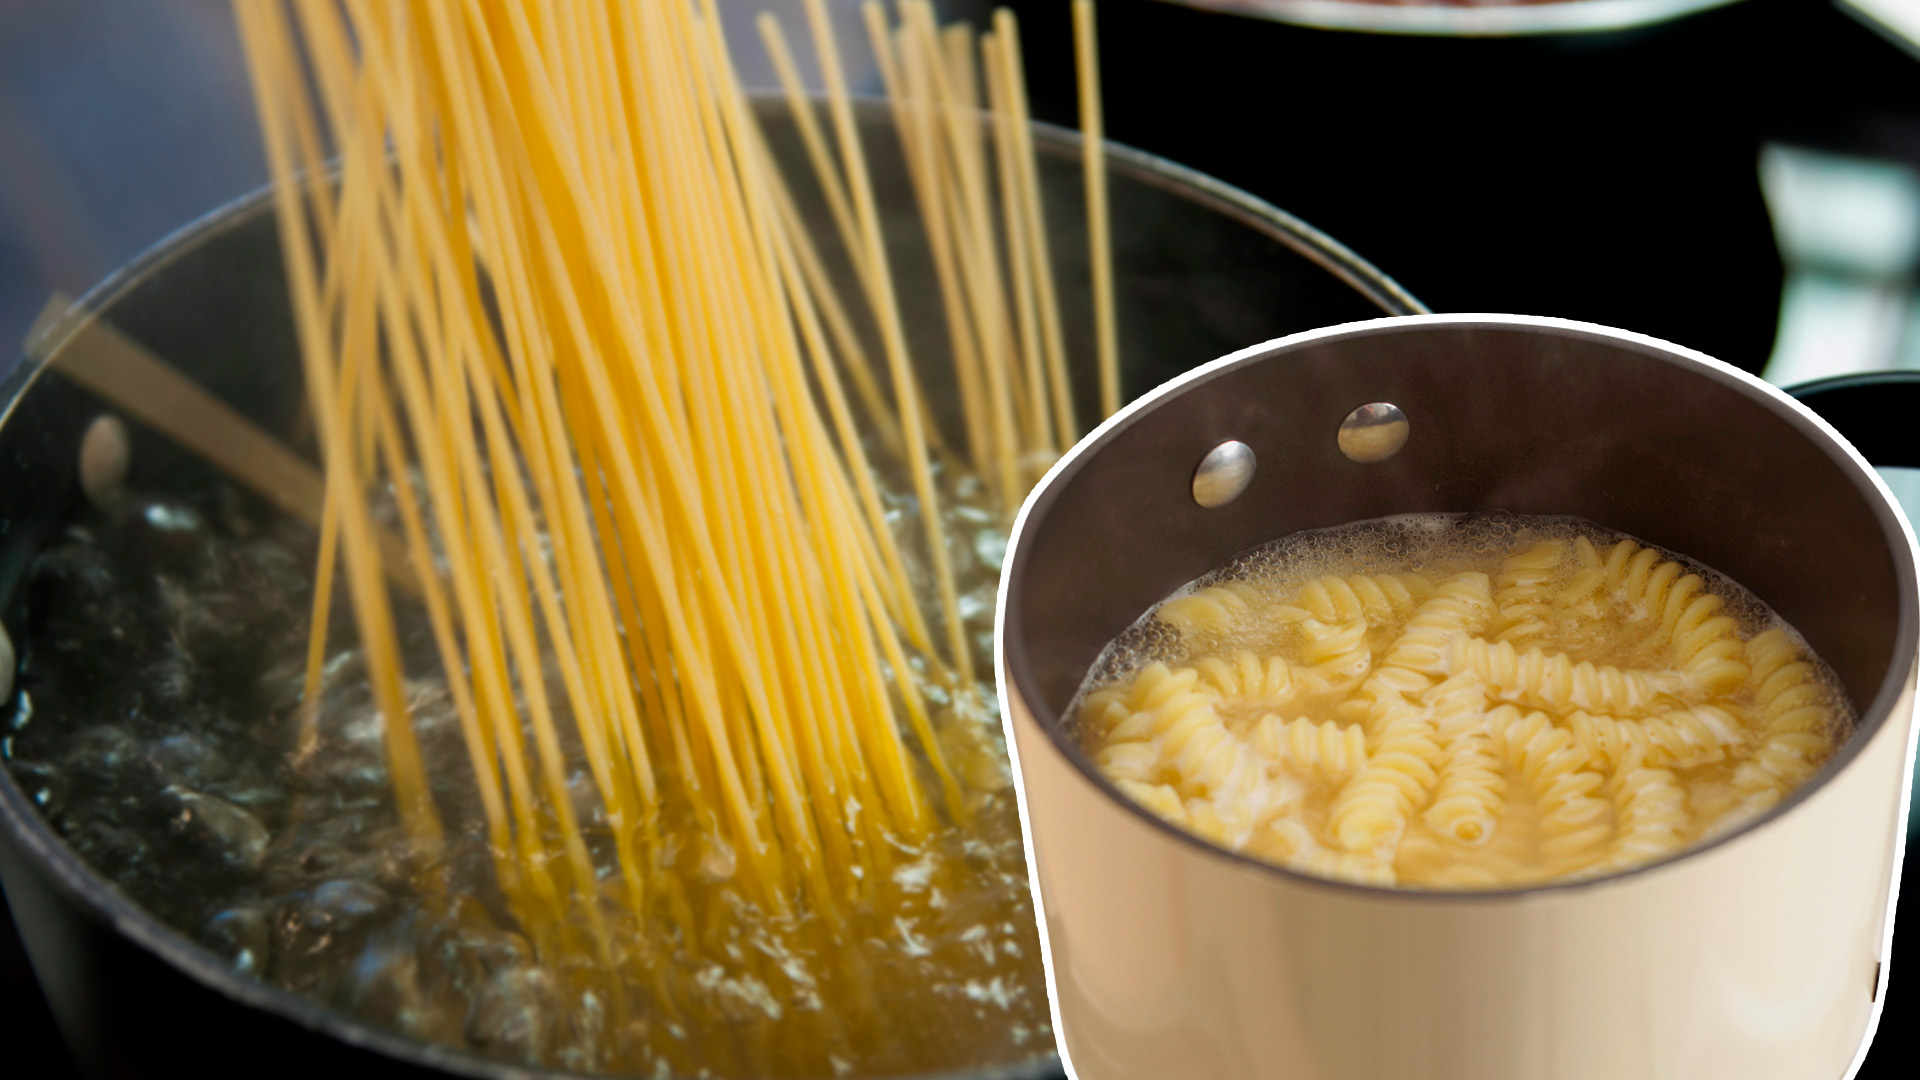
x: 329, y: 918
x: 113, y: 849
x: 990, y: 546
x: 107, y: 752
x: 978, y: 604
x: 173, y: 517
x: 512, y: 1014
x: 189, y: 759
x: 243, y: 935
x: 222, y: 828
x: 46, y: 781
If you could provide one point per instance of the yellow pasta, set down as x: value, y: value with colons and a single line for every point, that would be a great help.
x: 563, y: 311
x: 1377, y: 598
x: 1523, y: 590
x: 1468, y: 796
x: 1794, y: 721
x: 1573, y: 822
x: 1682, y: 737
x: 1561, y: 703
x: 1247, y: 679
x: 1331, y: 749
x: 1555, y: 681
x: 1212, y: 608
x: 1650, y: 809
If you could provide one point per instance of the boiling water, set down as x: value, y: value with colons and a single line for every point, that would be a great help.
x: 156, y: 728
x: 1500, y: 700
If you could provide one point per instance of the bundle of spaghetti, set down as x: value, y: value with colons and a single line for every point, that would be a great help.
x: 994, y: 270
x: 560, y: 311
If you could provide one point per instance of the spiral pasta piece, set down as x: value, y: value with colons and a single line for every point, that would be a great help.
x: 1523, y: 591
x: 1211, y: 609
x: 1640, y: 576
x: 1372, y: 809
x: 1136, y: 760
x: 1704, y: 643
x: 1331, y: 749
x: 1652, y: 813
x: 1102, y: 710
x: 1291, y: 843
x: 1467, y: 797
x: 1197, y: 748
x: 1161, y: 799
x: 1681, y: 738
x: 1554, y: 681
x: 1794, y: 721
x: 1460, y: 606
x: 1578, y: 594
x: 1376, y: 598
x: 1334, y: 655
x: 1572, y: 820
x: 1248, y: 679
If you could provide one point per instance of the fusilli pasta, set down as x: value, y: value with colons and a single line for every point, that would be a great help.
x: 1580, y: 711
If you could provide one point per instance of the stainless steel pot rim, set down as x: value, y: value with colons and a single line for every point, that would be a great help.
x: 1015, y: 673
x: 1419, y: 19
x: 104, y: 899
x: 1151, y: 169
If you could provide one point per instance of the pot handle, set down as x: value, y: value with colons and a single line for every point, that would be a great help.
x: 1878, y: 412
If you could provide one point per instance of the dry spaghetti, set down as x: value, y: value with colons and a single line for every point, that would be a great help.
x: 560, y: 311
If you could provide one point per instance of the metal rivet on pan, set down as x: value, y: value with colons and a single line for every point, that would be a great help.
x: 1223, y: 474
x: 105, y: 451
x: 7, y: 660
x: 1373, y: 432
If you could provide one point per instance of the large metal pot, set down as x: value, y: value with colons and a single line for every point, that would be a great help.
x: 1759, y: 955
x: 1200, y: 268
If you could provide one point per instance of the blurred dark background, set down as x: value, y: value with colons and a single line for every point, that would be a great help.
x: 1744, y: 181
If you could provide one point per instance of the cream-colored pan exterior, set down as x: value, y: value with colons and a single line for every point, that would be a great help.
x: 1760, y: 958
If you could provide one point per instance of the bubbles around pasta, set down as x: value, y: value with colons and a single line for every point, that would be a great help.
x: 1460, y: 701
